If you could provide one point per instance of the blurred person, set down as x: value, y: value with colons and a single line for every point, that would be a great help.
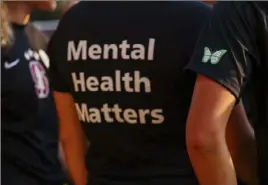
x: 125, y: 76
x: 230, y: 59
x: 123, y: 69
x: 30, y: 130
x: 66, y: 5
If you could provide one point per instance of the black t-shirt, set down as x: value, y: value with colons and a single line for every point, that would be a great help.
x: 123, y: 63
x: 233, y: 51
x: 28, y: 113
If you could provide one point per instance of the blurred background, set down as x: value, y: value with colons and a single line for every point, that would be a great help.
x: 47, y: 21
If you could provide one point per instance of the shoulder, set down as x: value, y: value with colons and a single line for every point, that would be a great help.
x: 164, y: 15
x: 180, y: 7
x: 195, y: 8
x: 74, y: 13
x: 193, y: 14
x: 68, y: 22
x: 189, y: 9
x: 191, y: 17
x: 240, y: 17
x: 235, y: 9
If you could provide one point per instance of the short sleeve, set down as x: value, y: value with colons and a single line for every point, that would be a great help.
x: 225, y: 51
x: 59, y: 75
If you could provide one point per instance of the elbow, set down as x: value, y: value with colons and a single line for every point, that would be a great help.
x: 203, y: 142
x: 204, y: 136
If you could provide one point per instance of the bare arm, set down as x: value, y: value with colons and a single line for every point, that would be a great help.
x: 71, y: 137
x: 210, y: 110
x: 241, y: 143
x: 227, y: 34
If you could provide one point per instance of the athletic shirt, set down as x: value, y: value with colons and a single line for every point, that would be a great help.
x: 233, y: 51
x: 29, y: 120
x: 123, y: 63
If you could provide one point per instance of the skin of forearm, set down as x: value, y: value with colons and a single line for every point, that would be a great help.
x: 212, y: 163
x: 75, y: 160
x: 245, y: 162
x: 242, y: 145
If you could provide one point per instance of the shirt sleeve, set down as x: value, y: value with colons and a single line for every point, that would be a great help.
x: 59, y: 75
x: 225, y: 49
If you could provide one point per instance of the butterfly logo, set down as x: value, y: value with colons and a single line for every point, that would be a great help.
x: 215, y: 57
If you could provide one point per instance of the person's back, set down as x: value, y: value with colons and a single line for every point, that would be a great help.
x: 123, y: 64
